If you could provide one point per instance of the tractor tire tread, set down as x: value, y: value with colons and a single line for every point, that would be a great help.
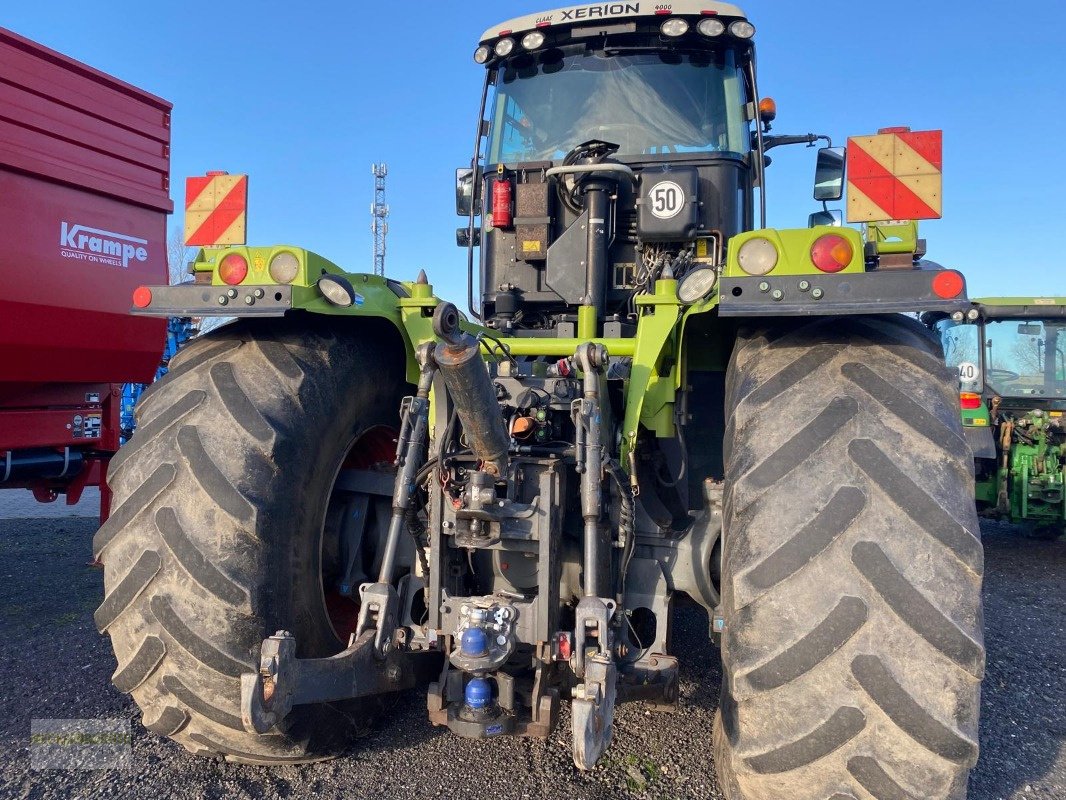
x: 143, y: 663
x: 187, y: 549
x: 852, y: 566
x: 196, y: 564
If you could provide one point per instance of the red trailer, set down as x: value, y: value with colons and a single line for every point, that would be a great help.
x: 84, y: 194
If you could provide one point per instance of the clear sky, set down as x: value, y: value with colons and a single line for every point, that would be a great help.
x: 304, y: 96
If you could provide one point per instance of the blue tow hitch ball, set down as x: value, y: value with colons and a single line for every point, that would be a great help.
x: 474, y: 643
x: 478, y: 693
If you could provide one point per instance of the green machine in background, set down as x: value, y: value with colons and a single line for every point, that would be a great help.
x: 1010, y: 353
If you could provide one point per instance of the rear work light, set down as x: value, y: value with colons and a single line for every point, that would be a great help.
x: 948, y: 284
x: 969, y: 400
x: 711, y: 27
x: 142, y: 297
x: 284, y: 267
x: 337, y: 289
x: 233, y: 269
x: 674, y: 27
x: 742, y: 29
x: 757, y: 256
x: 831, y: 253
x: 532, y: 40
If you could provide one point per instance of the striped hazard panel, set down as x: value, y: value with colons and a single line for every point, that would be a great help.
x: 895, y: 175
x: 216, y: 207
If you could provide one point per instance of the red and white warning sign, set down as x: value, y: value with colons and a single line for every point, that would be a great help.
x: 216, y: 209
x: 895, y: 175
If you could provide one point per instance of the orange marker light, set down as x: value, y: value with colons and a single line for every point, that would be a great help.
x: 767, y: 109
x: 948, y: 284
x: 142, y: 297
x: 522, y: 427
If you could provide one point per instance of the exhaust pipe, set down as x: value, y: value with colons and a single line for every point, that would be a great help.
x: 458, y: 358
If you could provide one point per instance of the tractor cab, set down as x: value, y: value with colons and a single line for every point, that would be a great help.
x: 1011, y: 354
x: 616, y: 142
x: 1011, y: 364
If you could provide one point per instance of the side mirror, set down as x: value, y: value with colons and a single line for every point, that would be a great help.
x: 829, y: 174
x: 467, y: 183
x: 462, y: 237
x: 832, y: 217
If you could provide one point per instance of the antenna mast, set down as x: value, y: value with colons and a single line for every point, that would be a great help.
x: 379, y: 213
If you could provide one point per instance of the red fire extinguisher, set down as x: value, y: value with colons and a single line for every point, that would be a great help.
x: 501, y: 200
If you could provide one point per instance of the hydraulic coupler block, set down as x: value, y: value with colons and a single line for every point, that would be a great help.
x: 458, y: 358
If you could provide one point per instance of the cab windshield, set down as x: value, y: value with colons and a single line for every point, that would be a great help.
x: 1025, y: 357
x: 647, y: 103
x: 1009, y: 357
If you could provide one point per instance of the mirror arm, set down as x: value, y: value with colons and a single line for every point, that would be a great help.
x: 757, y: 143
x: 474, y: 162
x: 808, y: 139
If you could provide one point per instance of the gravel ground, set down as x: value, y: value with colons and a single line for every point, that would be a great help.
x: 54, y: 665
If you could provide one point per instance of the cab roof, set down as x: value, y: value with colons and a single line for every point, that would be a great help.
x: 1022, y: 307
x: 570, y: 15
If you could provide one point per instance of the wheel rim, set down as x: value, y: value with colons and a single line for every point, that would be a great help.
x: 373, y: 449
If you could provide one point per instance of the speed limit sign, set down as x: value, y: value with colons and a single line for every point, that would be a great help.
x: 968, y: 372
x: 667, y: 199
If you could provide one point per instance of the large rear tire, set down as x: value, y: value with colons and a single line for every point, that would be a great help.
x: 853, y: 649
x: 216, y: 539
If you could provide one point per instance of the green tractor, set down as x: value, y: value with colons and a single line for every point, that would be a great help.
x: 1009, y: 354
x: 653, y: 400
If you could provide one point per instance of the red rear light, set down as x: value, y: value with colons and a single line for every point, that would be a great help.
x: 831, y: 253
x: 142, y: 297
x: 563, y: 646
x: 948, y: 284
x: 969, y: 400
x: 233, y: 269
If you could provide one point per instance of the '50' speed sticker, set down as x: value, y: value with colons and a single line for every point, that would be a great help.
x: 667, y: 199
